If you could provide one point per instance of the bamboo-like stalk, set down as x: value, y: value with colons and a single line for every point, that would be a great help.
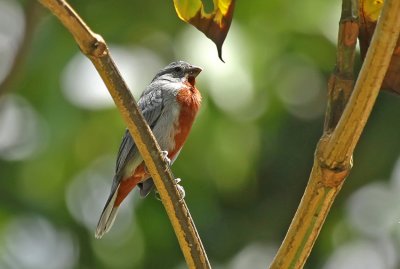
x: 95, y: 48
x: 333, y: 156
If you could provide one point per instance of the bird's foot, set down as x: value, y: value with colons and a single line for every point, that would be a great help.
x: 165, y: 157
x: 178, y: 186
x: 157, y: 194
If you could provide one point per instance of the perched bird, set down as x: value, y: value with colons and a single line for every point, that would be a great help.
x: 169, y: 104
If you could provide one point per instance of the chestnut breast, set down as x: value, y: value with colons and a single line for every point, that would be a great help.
x: 189, y: 100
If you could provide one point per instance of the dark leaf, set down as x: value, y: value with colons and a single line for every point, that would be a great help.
x: 214, y: 25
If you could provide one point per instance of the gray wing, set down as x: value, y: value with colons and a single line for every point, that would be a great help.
x: 151, y: 105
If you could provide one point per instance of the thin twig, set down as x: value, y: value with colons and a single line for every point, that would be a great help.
x: 341, y: 82
x: 333, y: 156
x: 94, y: 47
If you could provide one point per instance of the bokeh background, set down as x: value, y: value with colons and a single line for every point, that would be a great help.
x: 244, y: 167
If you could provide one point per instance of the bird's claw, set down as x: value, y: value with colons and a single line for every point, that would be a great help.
x: 157, y: 194
x: 181, y: 190
x: 164, y: 154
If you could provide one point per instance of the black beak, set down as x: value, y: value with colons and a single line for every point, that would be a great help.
x: 194, y: 71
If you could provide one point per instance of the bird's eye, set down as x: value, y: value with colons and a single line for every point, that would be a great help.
x: 178, y: 69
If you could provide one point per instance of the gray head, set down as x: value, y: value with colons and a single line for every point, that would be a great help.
x: 178, y: 71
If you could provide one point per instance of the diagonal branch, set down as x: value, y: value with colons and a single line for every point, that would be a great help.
x: 333, y: 156
x: 94, y: 47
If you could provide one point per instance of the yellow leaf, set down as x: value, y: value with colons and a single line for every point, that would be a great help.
x: 372, y: 9
x: 214, y: 25
x: 187, y: 9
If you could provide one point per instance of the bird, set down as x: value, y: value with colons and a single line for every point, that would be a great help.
x: 169, y: 104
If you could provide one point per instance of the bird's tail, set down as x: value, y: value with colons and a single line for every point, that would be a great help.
x: 108, y: 215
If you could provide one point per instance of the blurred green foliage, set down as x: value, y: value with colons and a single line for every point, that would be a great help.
x: 244, y: 167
